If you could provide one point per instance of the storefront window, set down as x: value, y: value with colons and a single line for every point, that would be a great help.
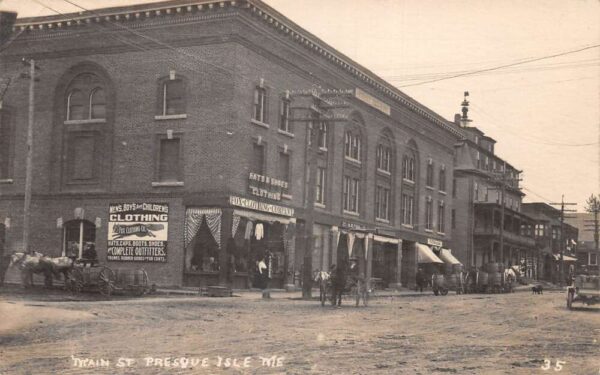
x: 80, y: 240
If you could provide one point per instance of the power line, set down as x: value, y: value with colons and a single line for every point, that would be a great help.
x: 502, y: 66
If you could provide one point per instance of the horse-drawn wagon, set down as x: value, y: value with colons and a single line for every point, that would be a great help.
x: 107, y: 281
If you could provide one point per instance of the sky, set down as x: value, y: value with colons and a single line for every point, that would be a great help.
x: 544, y: 115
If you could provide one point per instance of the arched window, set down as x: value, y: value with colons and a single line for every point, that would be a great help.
x: 352, y: 146
x: 86, y: 98
x: 97, y: 104
x: 75, y: 105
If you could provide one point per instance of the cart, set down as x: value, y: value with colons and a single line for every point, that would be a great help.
x: 107, y: 281
x: 585, y: 289
x: 438, y: 285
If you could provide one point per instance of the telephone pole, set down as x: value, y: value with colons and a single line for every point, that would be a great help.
x: 28, y: 161
x: 593, y: 207
x: 561, y: 246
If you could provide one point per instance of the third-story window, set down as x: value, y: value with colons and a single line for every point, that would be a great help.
x: 173, y: 97
x: 383, y: 158
x: 321, y: 185
x: 322, y: 136
x: 442, y: 179
x: 429, y: 181
x: 382, y: 203
x: 441, y: 216
x: 97, y: 104
x: 86, y: 98
x: 407, y: 208
x: 284, y: 167
x: 352, y: 146
x: 429, y: 213
x: 284, y: 115
x: 260, y: 104
x: 351, y: 194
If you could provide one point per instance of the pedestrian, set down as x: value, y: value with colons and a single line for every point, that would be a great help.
x: 338, y: 283
x: 420, y: 279
x: 263, y: 277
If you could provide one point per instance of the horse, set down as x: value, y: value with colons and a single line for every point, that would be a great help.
x: 323, y: 278
x: 510, y: 277
x: 38, y: 263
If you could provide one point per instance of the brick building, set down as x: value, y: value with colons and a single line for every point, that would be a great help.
x: 487, y: 204
x: 174, y: 136
x: 588, y: 255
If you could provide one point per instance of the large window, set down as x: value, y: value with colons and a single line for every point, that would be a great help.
x: 260, y: 105
x: 382, y: 203
x: 441, y: 216
x: 321, y: 185
x: 442, y: 179
x: 169, y: 162
x: 407, y: 209
x: 86, y: 99
x: 352, y: 146
x: 323, y: 134
x: 408, y: 168
x: 173, y: 97
x: 540, y: 230
x: 284, y: 168
x: 284, y: 116
x: 79, y: 240
x: 429, y: 213
x: 258, y: 159
x: 351, y: 194
x: 6, y: 144
x: 429, y: 181
x: 593, y: 259
x: 383, y: 158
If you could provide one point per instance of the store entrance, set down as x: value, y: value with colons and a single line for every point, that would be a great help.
x: 385, y: 261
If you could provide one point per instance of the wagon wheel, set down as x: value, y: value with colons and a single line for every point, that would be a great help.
x: 141, y: 289
x: 105, y: 281
x: 569, y: 300
x: 444, y: 291
x: 75, y: 281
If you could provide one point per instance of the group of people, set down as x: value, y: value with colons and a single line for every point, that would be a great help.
x: 340, y: 277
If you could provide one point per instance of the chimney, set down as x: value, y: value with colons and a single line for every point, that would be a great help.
x: 7, y: 21
x: 457, y: 119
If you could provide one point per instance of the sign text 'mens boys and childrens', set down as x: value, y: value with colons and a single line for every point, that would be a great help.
x: 137, y: 232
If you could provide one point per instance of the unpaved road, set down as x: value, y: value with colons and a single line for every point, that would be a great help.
x: 473, y: 334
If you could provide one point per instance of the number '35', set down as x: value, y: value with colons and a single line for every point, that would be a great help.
x: 548, y: 365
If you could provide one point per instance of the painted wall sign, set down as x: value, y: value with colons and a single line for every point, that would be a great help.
x: 372, y: 101
x: 261, y: 206
x: 137, y: 232
x: 266, y: 187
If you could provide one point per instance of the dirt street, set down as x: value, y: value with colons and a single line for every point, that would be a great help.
x: 472, y: 334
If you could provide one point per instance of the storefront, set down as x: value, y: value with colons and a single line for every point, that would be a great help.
x: 223, y: 245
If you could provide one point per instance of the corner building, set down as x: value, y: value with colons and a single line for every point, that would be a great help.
x: 174, y: 136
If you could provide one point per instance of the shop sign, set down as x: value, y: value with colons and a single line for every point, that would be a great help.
x: 261, y: 206
x: 266, y: 187
x: 433, y: 242
x: 137, y: 232
x: 350, y: 225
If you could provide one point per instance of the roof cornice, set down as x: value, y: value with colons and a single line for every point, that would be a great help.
x: 261, y: 11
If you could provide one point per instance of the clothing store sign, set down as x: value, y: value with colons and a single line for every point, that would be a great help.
x: 137, y: 232
x: 261, y: 206
x: 266, y: 187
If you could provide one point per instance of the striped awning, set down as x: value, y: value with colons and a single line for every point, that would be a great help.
x: 566, y: 258
x: 426, y: 255
x: 447, y: 257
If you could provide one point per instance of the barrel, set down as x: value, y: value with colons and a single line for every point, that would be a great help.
x: 438, y: 280
x: 482, y: 278
x: 491, y: 267
x: 452, y: 280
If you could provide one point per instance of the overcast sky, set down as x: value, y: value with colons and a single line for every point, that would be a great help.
x: 545, y: 115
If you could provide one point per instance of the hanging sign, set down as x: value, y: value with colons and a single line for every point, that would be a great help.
x: 433, y: 242
x: 260, y: 206
x: 266, y: 187
x: 137, y: 232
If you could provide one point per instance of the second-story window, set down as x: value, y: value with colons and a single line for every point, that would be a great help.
x: 352, y: 146
x: 429, y: 181
x: 408, y: 168
x: 172, y: 98
x: 321, y: 185
x: 382, y: 203
x: 442, y: 179
x: 260, y: 105
x: 322, y: 136
x: 441, y: 221
x: 351, y: 194
x: 429, y: 214
x: 284, y: 115
x: 383, y: 158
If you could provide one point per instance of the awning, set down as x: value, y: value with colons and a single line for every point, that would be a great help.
x: 254, y: 215
x: 566, y: 258
x: 384, y: 239
x: 426, y: 255
x: 446, y: 256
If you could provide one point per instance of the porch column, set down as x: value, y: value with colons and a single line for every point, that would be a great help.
x: 225, y: 277
x: 369, y: 253
x: 290, y: 256
x: 334, y: 242
x: 398, y: 282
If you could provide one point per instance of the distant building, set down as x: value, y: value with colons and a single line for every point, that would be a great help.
x: 551, y: 240
x: 588, y: 255
x: 482, y: 180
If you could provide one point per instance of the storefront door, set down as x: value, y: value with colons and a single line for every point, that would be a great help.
x: 79, y: 239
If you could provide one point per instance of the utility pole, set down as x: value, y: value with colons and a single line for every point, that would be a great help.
x: 28, y: 161
x: 561, y: 247
x: 593, y: 207
x: 502, y: 180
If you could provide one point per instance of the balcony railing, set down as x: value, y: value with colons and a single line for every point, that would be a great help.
x: 509, y: 236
